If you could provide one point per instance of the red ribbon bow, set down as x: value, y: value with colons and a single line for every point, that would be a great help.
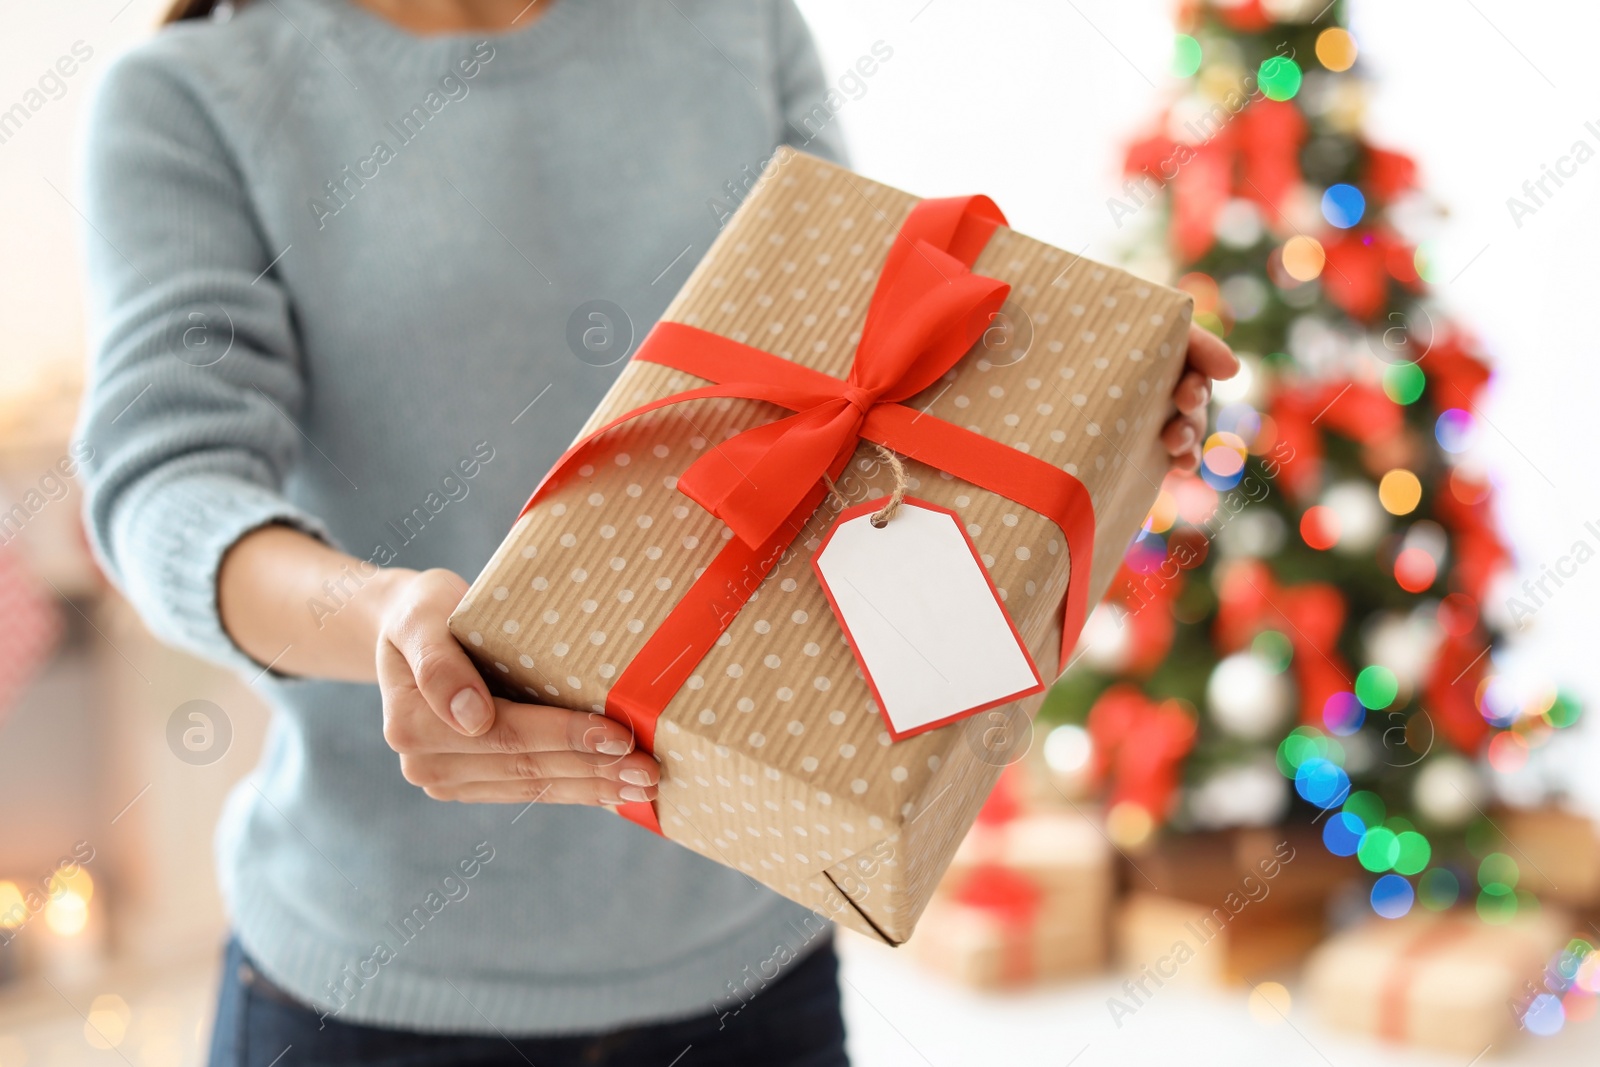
x: 926, y: 312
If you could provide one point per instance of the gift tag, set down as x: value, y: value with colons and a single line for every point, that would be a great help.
x: 918, y: 608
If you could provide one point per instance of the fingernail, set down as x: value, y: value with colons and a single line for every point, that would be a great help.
x: 636, y: 776
x: 1185, y: 437
x: 469, y: 710
x: 633, y: 793
x: 612, y: 748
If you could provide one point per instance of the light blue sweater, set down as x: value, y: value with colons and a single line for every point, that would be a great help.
x: 332, y: 266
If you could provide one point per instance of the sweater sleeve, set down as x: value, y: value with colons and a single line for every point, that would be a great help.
x: 810, y: 119
x: 195, y: 376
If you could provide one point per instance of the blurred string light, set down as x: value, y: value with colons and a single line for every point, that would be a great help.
x: 1336, y: 50
x: 67, y: 913
x: 1222, y: 462
x: 1404, y: 382
x: 1455, y: 430
x: 1571, y: 981
x: 1343, y: 205
x: 1186, y: 55
x: 1400, y: 492
x: 1279, y: 78
x: 1303, y: 258
x: 1319, y: 527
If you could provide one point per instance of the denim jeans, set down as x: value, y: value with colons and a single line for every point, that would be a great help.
x: 795, y: 1022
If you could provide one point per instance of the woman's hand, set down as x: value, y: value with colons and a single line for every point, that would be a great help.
x: 1209, y: 357
x: 458, y: 743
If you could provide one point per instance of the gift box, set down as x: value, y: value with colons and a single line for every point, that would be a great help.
x: 1450, y: 981
x: 1281, y: 870
x: 997, y: 928
x: 1557, y: 853
x: 1171, y: 940
x: 663, y: 573
x: 1025, y: 899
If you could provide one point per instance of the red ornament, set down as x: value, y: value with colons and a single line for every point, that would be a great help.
x: 1271, y: 133
x: 1451, y: 691
x: 1311, y: 616
x: 1355, y: 276
x: 1248, y: 17
x: 1140, y: 745
x: 1390, y: 174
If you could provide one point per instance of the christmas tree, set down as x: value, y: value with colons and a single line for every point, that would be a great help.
x: 1306, y: 627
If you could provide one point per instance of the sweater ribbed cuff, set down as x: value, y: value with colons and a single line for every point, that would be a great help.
x: 172, y: 539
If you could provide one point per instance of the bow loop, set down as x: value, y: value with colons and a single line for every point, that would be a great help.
x: 927, y: 311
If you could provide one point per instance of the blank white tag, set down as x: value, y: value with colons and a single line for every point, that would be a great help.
x: 926, y: 624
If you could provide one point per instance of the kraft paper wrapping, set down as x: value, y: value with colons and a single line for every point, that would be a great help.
x: 978, y: 948
x: 775, y: 760
x: 1447, y: 981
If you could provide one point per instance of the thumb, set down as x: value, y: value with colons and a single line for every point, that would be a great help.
x: 443, y: 673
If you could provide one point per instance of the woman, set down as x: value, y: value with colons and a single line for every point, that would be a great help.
x: 335, y: 247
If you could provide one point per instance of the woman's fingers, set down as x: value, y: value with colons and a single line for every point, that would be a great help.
x: 441, y: 672
x: 518, y: 728
x: 546, y: 791
x: 1210, y: 354
x: 1192, y: 393
x: 1181, y: 438
x: 536, y: 728
x: 451, y: 769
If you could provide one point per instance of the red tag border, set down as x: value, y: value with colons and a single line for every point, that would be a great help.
x: 868, y: 507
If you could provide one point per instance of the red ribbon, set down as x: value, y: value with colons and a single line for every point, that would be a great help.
x: 1013, y: 899
x: 927, y: 310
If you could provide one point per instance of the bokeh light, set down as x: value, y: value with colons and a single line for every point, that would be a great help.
x: 1399, y: 492
x: 1322, y: 782
x: 1392, y: 896
x: 1343, y: 714
x: 1366, y: 806
x: 67, y: 914
x: 1128, y: 824
x: 1468, y: 488
x: 1319, y: 527
x: 1455, y: 430
x: 1376, y: 687
x: 1379, y: 848
x: 1404, y: 382
x: 1415, y: 570
x: 1498, y: 873
x: 1303, y: 258
x: 1186, y: 56
x: 1438, y: 889
x: 1342, y: 834
x: 1336, y: 49
x: 1508, y: 752
x: 1415, y: 852
x: 1067, y: 749
x: 1343, y: 205
x: 1562, y: 712
x: 1279, y: 78
x: 1544, y: 1016
x: 1273, y: 649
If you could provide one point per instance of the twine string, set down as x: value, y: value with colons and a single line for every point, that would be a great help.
x: 897, y: 496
